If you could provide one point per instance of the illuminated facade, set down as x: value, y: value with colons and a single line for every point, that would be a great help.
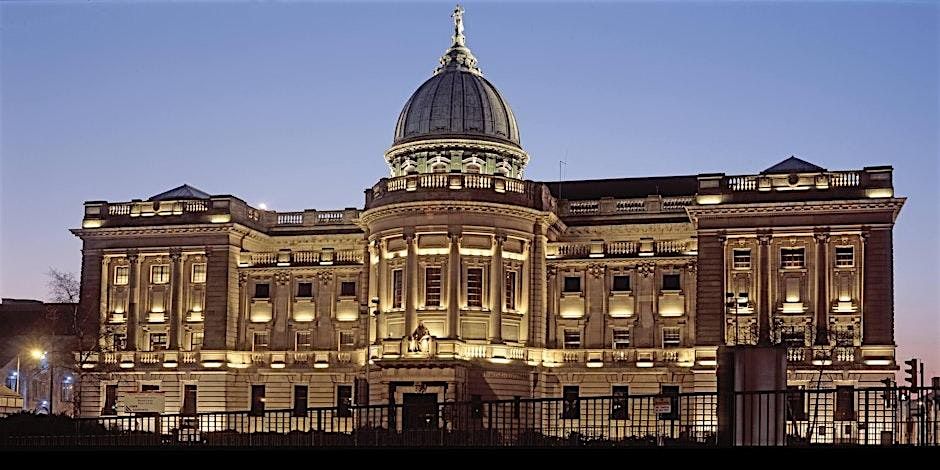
x: 459, y: 278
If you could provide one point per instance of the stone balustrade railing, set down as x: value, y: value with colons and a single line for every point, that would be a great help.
x: 324, y: 257
x: 613, y: 206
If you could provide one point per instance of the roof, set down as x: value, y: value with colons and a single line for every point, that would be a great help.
x: 624, y: 187
x: 181, y: 192
x: 794, y: 165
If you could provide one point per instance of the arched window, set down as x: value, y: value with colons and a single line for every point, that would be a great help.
x: 473, y: 165
x: 503, y: 169
x: 438, y: 164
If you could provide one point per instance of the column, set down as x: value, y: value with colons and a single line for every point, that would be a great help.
x: 764, y: 240
x: 537, y: 299
x: 176, y: 303
x: 453, y: 285
x: 380, y: 291
x: 280, y: 302
x: 497, y: 280
x: 372, y: 257
x: 241, y: 335
x: 411, y: 286
x: 133, y: 296
x: 822, y: 288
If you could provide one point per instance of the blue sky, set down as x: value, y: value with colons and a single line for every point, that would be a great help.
x: 293, y: 104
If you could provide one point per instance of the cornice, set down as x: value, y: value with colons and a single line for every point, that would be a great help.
x: 450, y: 144
x: 785, y: 208
x: 122, y: 232
x: 452, y: 207
x: 630, y: 229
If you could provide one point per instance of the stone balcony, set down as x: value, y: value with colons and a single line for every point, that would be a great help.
x: 870, y: 182
x: 459, y: 186
x: 211, y: 359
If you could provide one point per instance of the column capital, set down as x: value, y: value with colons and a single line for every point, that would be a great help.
x: 133, y: 255
x: 821, y: 237
x: 764, y: 238
x: 176, y: 254
x: 409, y: 236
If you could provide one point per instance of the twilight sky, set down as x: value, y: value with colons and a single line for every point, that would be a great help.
x: 293, y: 104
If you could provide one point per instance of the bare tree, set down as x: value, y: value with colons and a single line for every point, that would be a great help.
x: 83, y: 326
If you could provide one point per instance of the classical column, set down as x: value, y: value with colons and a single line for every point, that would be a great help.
x: 380, y: 291
x: 497, y: 280
x: 133, y: 296
x: 241, y: 334
x: 453, y: 285
x: 538, y: 309
x: 372, y: 257
x: 411, y: 286
x: 822, y: 288
x: 176, y: 303
x: 764, y: 328
x: 279, y: 307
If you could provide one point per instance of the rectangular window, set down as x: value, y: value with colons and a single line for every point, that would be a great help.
x: 121, y: 274
x: 621, y: 338
x: 741, y: 258
x: 189, y: 399
x: 199, y: 273
x: 475, y: 287
x: 793, y: 337
x: 195, y: 340
x: 572, y: 339
x: 570, y: 404
x: 262, y: 290
x: 158, y: 342
x: 796, y: 403
x: 257, y: 400
x: 110, y: 400
x: 572, y: 284
x: 119, y: 341
x: 397, y: 288
x: 66, y: 392
x: 305, y: 289
x: 347, y: 289
x: 432, y: 286
x: 845, y: 256
x: 621, y: 284
x: 346, y: 341
x: 620, y: 406
x: 792, y: 257
x: 303, y: 340
x: 300, y: 401
x: 260, y: 341
x: 343, y: 401
x: 844, y: 335
x: 160, y: 274
x: 845, y: 403
x: 510, y: 290
x: 671, y: 282
x: 149, y: 388
x: 672, y: 392
x: 671, y: 337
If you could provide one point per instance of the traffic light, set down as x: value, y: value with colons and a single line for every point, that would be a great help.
x: 912, y: 372
x: 886, y: 395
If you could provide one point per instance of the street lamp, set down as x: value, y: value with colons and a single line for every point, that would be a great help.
x: 735, y: 303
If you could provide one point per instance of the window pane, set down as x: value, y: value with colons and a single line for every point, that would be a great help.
x: 199, y: 273
x: 510, y: 290
x: 300, y: 400
x: 845, y: 403
x: 671, y: 391
x: 347, y: 289
x: 189, y: 399
x: 621, y: 338
x: 671, y: 282
x: 160, y: 274
x: 110, y: 400
x: 260, y: 342
x: 742, y: 259
x: 343, y: 401
x: 257, y: 399
x: 572, y: 339
x: 303, y: 340
x: 620, y: 407
x: 796, y: 403
x: 792, y: 257
x: 621, y: 283
x: 671, y: 336
x: 196, y: 340
x: 262, y: 291
x: 397, y: 288
x: 121, y: 275
x: 845, y: 256
x: 432, y: 287
x: 572, y: 284
x: 346, y: 340
x: 475, y: 287
x: 305, y: 289
x: 158, y: 341
x: 571, y: 405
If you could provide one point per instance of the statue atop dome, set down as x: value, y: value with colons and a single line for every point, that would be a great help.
x: 458, y: 25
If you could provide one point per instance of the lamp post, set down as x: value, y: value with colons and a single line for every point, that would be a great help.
x: 732, y: 302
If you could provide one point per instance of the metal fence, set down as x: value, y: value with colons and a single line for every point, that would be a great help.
x: 794, y: 417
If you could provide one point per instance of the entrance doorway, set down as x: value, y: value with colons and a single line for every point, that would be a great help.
x: 419, y: 411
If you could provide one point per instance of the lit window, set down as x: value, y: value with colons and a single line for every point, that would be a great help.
x: 475, y: 287
x: 260, y: 341
x: 119, y: 341
x: 621, y: 284
x: 199, y: 273
x: 793, y: 337
x: 305, y: 289
x: 432, y: 287
x: 572, y: 339
x: 67, y: 392
x: 792, y: 257
x: 671, y: 282
x: 121, y: 275
x: 158, y: 341
x: 347, y: 289
x: 621, y: 338
x: 742, y: 259
x: 303, y: 340
x: 671, y: 336
x: 346, y: 340
x: 195, y: 340
x: 262, y: 290
x: 160, y: 274
x: 397, y: 288
x: 845, y: 256
x: 510, y: 290
x: 572, y: 284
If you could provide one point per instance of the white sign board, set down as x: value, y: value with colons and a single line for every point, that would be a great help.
x: 144, y: 402
x: 662, y: 405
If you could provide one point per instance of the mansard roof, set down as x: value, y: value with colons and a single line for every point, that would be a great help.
x: 794, y: 165
x: 182, y: 192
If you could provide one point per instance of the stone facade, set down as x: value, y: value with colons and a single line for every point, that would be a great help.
x: 460, y: 278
